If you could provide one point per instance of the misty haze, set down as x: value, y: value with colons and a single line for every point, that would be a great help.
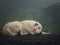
x: 47, y: 12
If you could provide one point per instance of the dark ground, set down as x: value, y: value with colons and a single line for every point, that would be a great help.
x: 43, y: 39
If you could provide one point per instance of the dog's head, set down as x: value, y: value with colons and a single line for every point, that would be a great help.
x: 37, y: 28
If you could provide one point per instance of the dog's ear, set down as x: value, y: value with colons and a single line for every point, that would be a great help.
x: 36, y: 24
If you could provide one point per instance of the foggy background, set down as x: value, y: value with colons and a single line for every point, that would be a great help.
x: 47, y: 12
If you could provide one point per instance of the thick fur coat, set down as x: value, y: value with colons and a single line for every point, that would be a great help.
x: 23, y: 27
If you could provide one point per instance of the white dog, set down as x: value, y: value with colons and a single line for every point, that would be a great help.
x: 23, y: 27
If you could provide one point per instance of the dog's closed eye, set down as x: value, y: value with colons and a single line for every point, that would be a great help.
x: 38, y: 27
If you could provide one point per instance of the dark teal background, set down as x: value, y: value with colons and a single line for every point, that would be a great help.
x: 47, y: 12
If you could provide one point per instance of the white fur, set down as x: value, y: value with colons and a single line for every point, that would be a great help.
x: 29, y: 26
x: 45, y: 33
x: 24, y: 27
x: 11, y: 28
